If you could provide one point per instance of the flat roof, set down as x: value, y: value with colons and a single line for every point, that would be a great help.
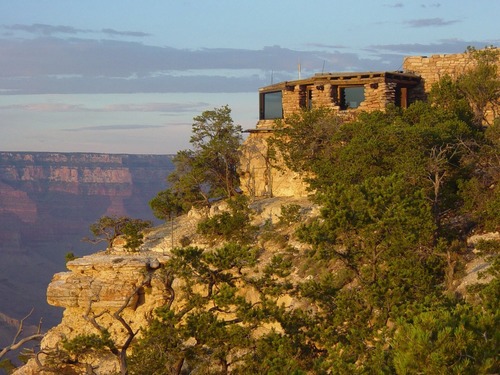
x: 346, y: 78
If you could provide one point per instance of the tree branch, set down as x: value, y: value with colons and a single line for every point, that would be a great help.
x: 16, y: 343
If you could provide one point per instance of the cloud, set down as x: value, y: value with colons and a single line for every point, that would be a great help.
x: 145, y: 107
x: 45, y: 107
x: 110, y: 58
x: 55, y: 65
x: 44, y: 29
x: 155, y: 107
x: 114, y: 127
x: 442, y: 46
x: 329, y: 46
x: 112, y: 32
x: 430, y: 22
x: 49, y: 30
x: 433, y: 5
x: 395, y: 5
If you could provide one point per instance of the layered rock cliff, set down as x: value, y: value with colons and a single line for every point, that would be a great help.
x: 118, y: 178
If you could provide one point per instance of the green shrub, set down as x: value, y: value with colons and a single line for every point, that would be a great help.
x: 233, y: 225
x: 290, y: 213
x: 185, y: 241
x: 82, y: 344
x: 133, y: 233
x: 70, y: 256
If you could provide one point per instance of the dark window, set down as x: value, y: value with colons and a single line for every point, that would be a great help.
x: 401, y: 97
x: 351, y: 97
x: 309, y: 98
x: 271, y: 106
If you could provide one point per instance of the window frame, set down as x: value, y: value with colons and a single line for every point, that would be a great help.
x: 342, y: 100
x: 263, y: 105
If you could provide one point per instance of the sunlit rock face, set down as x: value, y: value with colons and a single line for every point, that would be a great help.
x: 95, y: 287
x: 260, y: 176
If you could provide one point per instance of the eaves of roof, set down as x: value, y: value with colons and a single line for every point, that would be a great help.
x: 346, y: 79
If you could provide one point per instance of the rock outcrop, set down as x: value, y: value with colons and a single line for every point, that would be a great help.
x: 98, y: 285
x: 260, y: 177
x: 95, y: 287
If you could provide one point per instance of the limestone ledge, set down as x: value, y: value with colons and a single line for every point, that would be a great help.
x: 108, y: 280
x: 97, y: 286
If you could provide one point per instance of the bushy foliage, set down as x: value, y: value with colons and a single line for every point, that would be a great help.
x: 398, y: 191
x: 133, y: 232
x: 70, y: 256
x: 75, y: 355
x: 108, y: 228
x: 83, y: 344
x: 7, y: 366
x: 290, y: 214
x: 166, y: 205
x: 232, y: 225
x: 480, y: 85
x: 481, y: 193
x: 457, y: 339
x: 211, y: 332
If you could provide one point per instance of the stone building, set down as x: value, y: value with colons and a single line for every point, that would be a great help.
x: 366, y: 91
x: 345, y: 93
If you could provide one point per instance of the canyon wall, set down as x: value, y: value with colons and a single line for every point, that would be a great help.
x: 48, y: 201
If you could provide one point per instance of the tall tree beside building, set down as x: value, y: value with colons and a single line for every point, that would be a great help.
x: 209, y: 169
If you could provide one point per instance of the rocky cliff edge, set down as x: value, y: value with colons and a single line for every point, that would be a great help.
x: 96, y: 286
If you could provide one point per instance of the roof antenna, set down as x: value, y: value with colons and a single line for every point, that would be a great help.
x: 272, y: 77
x: 323, y: 68
x: 299, y: 69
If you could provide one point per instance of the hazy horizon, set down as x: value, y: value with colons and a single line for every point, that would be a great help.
x: 128, y: 77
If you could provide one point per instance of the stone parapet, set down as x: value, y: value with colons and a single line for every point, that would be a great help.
x: 434, y: 67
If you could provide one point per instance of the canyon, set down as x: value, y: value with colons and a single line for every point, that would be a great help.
x: 47, y: 202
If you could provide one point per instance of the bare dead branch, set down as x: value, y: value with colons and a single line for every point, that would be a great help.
x: 91, y: 317
x: 18, y: 343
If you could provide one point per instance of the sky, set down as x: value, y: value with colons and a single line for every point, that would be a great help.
x: 128, y: 76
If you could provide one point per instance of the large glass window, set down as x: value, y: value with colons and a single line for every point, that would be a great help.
x: 271, y: 105
x: 351, y: 97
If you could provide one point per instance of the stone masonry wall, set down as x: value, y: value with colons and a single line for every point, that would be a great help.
x: 323, y: 96
x: 434, y: 67
x: 377, y: 96
x: 291, y: 101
